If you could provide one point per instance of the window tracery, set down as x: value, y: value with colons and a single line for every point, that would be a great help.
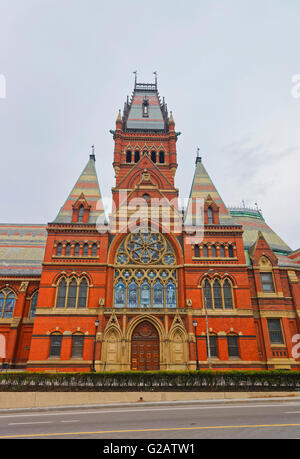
x: 145, y: 274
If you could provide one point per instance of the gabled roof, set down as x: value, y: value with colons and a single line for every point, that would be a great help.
x: 88, y: 186
x: 202, y: 187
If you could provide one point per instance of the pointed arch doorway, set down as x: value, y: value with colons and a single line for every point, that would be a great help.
x: 145, y: 347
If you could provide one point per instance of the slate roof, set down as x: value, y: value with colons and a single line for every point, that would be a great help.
x: 157, y: 112
x: 88, y: 185
x: 22, y: 249
x: 202, y: 187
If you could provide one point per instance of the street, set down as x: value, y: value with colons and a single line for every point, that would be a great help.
x: 252, y: 419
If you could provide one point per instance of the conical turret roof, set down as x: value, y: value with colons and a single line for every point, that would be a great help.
x: 86, y: 186
x: 203, y: 187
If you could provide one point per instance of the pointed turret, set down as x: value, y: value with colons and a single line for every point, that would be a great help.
x: 203, y: 188
x: 87, y: 189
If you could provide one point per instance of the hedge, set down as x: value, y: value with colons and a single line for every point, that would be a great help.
x: 204, y: 381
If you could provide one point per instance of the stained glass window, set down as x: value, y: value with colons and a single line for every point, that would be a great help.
x: 158, y: 295
x: 33, y: 305
x: 120, y: 295
x: 132, y: 292
x: 9, y: 305
x: 145, y: 295
x: 146, y: 272
x: 170, y: 295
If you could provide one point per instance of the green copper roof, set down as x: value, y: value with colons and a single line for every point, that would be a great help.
x: 253, y: 222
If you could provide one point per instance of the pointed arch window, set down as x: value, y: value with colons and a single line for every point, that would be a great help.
x: 85, y: 250
x: 207, y: 297
x: 205, y: 251
x: 227, y: 291
x: 33, y: 305
x: 145, y: 295
x: 210, y: 216
x: 217, y: 295
x: 77, y: 250
x: 80, y: 214
x: 128, y: 156
x: 83, y: 291
x: 61, y: 294
x: 68, y: 249
x: 137, y: 156
x: 153, y: 156
x: 7, y: 303
x: 94, y: 250
x: 171, y: 295
x: 72, y: 294
x: 120, y: 295
x: 222, y: 251
x: 132, y: 292
x: 59, y: 249
x: 230, y: 251
x: 213, y: 251
x: 161, y: 157
x: 197, y: 251
x: 158, y: 295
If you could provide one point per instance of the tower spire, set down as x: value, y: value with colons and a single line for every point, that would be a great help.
x: 92, y: 155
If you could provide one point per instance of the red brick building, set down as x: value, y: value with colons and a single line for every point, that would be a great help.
x: 151, y: 286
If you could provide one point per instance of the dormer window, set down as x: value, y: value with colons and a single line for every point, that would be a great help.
x: 80, y: 214
x: 145, y: 108
x: 210, y: 215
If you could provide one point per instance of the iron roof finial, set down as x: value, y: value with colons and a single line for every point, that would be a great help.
x: 135, y: 78
x: 155, y: 73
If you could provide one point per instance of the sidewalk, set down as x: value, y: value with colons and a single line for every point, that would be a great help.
x: 65, y: 400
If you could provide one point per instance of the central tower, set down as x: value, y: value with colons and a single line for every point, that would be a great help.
x: 145, y: 158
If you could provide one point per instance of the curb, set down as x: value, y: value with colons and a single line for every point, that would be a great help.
x: 222, y: 401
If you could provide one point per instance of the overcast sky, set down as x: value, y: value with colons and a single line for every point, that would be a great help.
x: 224, y: 67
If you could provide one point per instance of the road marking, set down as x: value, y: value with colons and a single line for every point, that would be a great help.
x: 77, y: 420
x: 148, y: 409
x: 151, y: 430
x: 28, y: 423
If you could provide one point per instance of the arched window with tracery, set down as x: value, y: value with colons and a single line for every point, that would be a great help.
x: 33, y: 305
x: 72, y: 293
x: 218, y: 293
x: 227, y: 292
x: 7, y: 303
x: 145, y: 272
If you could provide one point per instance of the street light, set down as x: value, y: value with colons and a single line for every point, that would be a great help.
x: 195, y: 323
x: 96, y: 328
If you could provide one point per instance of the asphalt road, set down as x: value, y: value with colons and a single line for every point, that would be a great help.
x: 251, y: 420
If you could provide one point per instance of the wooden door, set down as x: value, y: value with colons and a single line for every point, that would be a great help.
x: 145, y: 348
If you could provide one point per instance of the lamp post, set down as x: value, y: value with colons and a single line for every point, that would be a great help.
x: 206, y: 319
x: 96, y: 328
x: 195, y: 323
